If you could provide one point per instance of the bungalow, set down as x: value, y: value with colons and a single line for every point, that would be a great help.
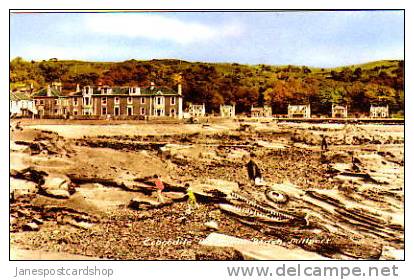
x: 105, y: 101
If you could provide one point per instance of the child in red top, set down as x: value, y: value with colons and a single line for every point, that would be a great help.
x: 160, y: 187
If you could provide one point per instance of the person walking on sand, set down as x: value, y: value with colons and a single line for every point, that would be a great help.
x: 253, y: 171
x: 159, y: 185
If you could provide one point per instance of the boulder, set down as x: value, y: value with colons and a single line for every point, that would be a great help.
x: 57, y: 186
x: 175, y: 196
x: 140, y: 203
x: 211, y: 188
x: 31, y: 227
x: 212, y: 225
x: 257, y: 250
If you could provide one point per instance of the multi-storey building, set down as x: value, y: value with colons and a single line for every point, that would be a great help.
x: 261, y: 112
x: 228, y: 111
x: 105, y: 101
x: 21, y: 105
x: 379, y: 111
x: 196, y: 110
x: 339, y: 111
x: 299, y: 111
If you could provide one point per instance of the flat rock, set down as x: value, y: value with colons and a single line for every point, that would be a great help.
x: 56, y: 193
x: 259, y: 251
x: 210, y: 186
x: 212, y: 225
x: 174, y: 195
x: 22, y: 254
x: 271, y: 145
x: 140, y: 203
x: 23, y: 185
x: 57, y: 186
x: 31, y: 227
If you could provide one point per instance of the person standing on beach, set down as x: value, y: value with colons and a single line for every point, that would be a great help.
x: 159, y: 185
x: 253, y: 171
x: 324, y: 143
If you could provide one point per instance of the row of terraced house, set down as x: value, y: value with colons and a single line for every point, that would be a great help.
x: 136, y: 102
x: 105, y: 102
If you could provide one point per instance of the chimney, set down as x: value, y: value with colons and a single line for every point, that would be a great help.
x: 179, y: 89
x: 77, y: 88
x: 49, y: 91
x: 152, y: 86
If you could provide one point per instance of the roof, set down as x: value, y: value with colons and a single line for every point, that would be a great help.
x: 43, y: 92
x: 260, y: 108
x: 125, y: 91
x: 16, y: 96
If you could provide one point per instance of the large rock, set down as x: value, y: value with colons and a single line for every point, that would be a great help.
x: 211, y: 188
x: 140, y: 203
x: 212, y: 225
x: 31, y: 227
x: 259, y: 250
x: 175, y: 196
x: 57, y: 186
x: 21, y: 188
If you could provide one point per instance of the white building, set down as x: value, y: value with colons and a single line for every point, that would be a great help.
x: 379, y: 111
x: 21, y: 105
x: 339, y: 111
x: 261, y: 112
x: 299, y: 111
x: 227, y: 111
x: 197, y: 110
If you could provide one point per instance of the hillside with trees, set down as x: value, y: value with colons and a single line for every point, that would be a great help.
x: 358, y: 86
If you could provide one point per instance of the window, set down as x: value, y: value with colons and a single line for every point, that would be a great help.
x: 56, y: 111
x: 172, y: 112
x: 104, y: 111
x: 159, y: 100
x: 75, y: 101
x: 173, y: 100
x: 88, y: 90
x: 86, y: 101
x: 142, y: 111
x: 129, y: 100
x: 142, y: 100
x: 129, y: 111
x: 75, y: 112
x: 42, y: 102
x: 117, y: 111
x: 56, y: 102
x: 104, y: 100
x: 116, y: 100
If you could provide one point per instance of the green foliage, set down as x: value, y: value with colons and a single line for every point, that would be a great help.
x: 231, y: 83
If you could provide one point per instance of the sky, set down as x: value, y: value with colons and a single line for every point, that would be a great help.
x: 320, y: 39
